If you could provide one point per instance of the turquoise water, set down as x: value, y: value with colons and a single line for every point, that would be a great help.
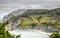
x: 29, y: 34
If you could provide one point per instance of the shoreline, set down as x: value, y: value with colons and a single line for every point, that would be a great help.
x: 36, y: 30
x: 18, y: 32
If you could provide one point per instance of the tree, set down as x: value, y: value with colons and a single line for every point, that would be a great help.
x: 55, y: 35
x: 4, y: 33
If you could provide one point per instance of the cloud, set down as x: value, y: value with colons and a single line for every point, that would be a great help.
x: 29, y: 3
x: 7, y: 6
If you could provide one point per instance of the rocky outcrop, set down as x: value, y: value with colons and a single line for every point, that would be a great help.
x: 14, y: 13
x: 17, y: 17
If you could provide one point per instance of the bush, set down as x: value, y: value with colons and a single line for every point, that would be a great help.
x: 4, y: 33
x: 55, y: 35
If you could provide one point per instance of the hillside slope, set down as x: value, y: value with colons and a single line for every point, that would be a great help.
x: 42, y: 19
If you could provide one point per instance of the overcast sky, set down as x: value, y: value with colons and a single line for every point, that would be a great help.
x: 7, y: 6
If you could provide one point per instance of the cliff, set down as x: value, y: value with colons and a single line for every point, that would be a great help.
x: 42, y: 19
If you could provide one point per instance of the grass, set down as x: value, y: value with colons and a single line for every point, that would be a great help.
x: 25, y: 21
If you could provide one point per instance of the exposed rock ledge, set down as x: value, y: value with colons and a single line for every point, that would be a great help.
x: 48, y: 29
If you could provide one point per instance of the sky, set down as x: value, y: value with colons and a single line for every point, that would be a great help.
x: 7, y: 6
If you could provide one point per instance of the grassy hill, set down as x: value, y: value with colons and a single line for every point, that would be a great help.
x: 38, y: 17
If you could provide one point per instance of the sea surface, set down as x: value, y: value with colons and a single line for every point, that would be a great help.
x: 29, y: 34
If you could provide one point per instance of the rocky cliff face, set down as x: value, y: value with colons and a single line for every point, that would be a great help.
x: 14, y: 13
x: 29, y: 18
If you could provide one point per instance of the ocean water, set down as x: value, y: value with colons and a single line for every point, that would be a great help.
x: 29, y: 34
